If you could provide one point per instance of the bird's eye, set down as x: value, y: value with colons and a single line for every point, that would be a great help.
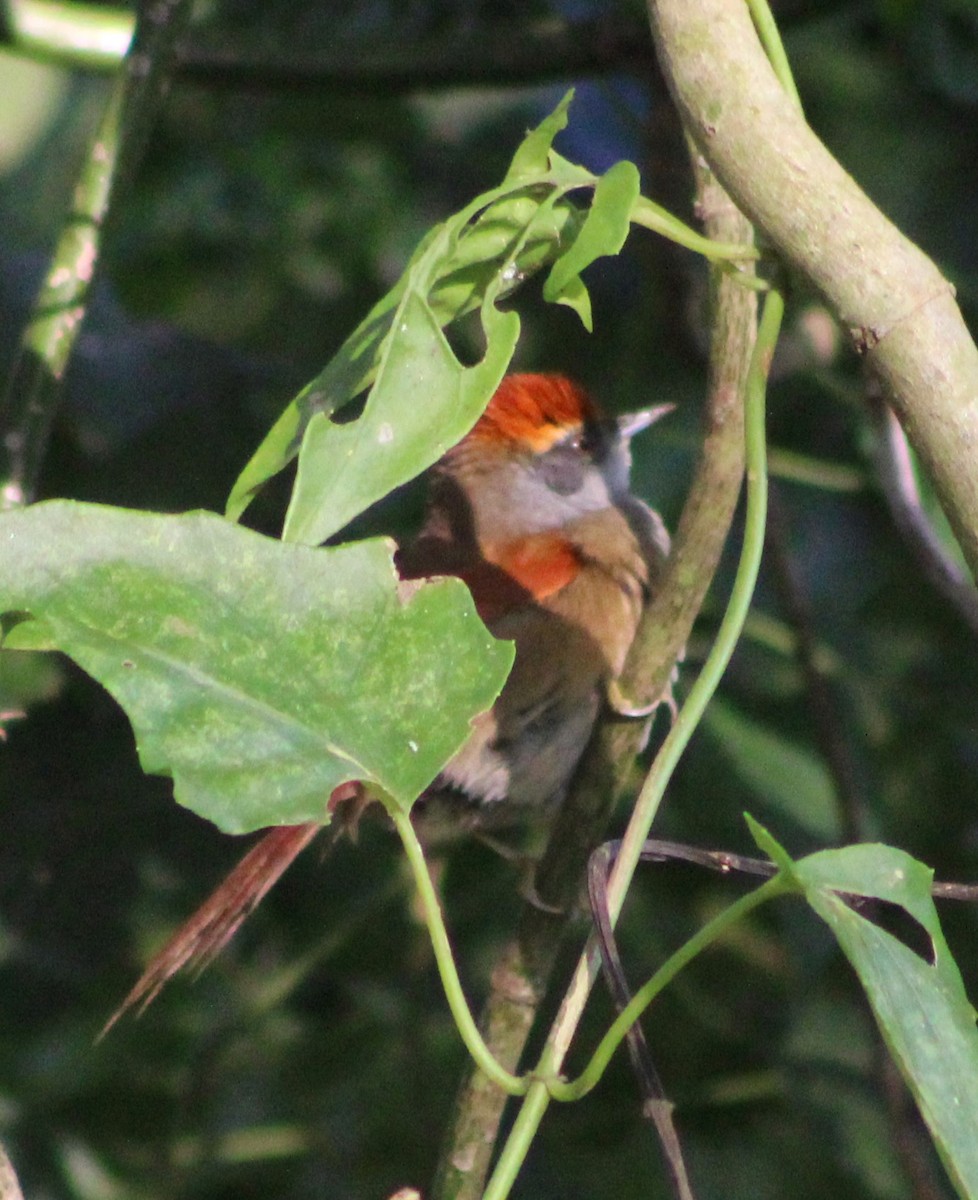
x: 592, y: 440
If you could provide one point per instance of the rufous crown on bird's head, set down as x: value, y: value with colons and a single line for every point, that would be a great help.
x: 542, y: 454
x: 535, y: 411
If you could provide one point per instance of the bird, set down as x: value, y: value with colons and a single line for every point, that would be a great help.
x: 533, y: 511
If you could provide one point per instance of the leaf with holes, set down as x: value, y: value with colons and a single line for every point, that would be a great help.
x: 471, y: 260
x: 919, y: 1003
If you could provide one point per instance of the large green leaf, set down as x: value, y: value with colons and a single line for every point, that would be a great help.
x: 919, y: 1004
x: 260, y: 675
x: 423, y: 400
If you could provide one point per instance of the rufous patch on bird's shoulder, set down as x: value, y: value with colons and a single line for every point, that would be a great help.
x: 534, y: 411
x: 519, y: 572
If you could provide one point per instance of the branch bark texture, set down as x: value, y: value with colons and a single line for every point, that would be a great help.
x: 899, y: 309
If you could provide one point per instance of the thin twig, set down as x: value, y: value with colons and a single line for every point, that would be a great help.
x: 725, y: 862
x: 656, y: 1106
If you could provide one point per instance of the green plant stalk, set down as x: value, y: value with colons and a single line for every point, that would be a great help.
x: 733, y: 621
x: 435, y: 922
x: 565, y: 1024
x: 29, y: 404
x: 767, y: 31
x: 82, y: 35
x: 28, y: 407
x: 650, y: 215
x: 778, y: 885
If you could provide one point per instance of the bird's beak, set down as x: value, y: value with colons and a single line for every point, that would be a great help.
x: 632, y: 423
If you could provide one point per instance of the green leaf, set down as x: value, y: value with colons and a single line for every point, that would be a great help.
x: 345, y: 376
x: 422, y: 402
x: 517, y: 223
x: 489, y: 247
x: 533, y: 156
x: 481, y: 253
x: 260, y: 675
x: 604, y: 232
x: 484, y: 251
x: 920, y: 1006
x: 487, y: 250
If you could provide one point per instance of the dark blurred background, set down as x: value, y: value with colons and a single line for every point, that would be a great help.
x: 317, y: 1057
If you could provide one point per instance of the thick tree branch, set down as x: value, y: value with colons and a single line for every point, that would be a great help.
x: 900, y: 311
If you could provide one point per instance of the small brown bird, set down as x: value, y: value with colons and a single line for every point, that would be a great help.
x: 532, y: 509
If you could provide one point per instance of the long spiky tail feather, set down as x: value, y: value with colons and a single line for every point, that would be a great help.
x: 208, y: 931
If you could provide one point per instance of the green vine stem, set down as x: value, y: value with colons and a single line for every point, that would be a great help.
x: 537, y: 1099
x: 700, y: 941
x: 767, y: 31
x: 28, y: 407
x: 514, y: 1085
x: 730, y: 628
x: 85, y: 35
x: 660, y: 220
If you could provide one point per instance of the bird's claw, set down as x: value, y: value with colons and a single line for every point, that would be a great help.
x: 623, y: 706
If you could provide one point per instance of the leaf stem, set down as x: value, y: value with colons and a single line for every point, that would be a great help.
x: 736, y: 613
x: 767, y: 31
x: 650, y: 215
x: 435, y: 921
